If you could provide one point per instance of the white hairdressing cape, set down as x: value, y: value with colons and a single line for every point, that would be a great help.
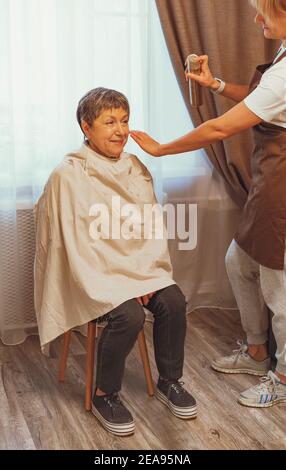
x: 81, y: 272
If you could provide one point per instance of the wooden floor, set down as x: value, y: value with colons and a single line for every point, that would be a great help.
x: 37, y: 412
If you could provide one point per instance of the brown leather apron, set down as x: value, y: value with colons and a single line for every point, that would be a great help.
x: 262, y: 228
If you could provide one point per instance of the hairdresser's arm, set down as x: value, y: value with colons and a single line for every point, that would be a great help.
x: 236, y: 120
x: 235, y: 92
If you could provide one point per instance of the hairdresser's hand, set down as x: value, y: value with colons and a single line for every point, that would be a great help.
x: 205, y: 78
x: 146, y: 142
x: 144, y: 300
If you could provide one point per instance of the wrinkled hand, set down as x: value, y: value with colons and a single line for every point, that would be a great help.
x: 144, y: 300
x: 205, y: 78
x: 146, y: 142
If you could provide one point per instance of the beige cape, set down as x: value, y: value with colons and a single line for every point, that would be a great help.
x: 79, y: 277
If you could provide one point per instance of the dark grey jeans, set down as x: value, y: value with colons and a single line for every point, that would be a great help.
x: 168, y: 306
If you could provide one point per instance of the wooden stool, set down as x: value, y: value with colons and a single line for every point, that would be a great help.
x: 91, y: 335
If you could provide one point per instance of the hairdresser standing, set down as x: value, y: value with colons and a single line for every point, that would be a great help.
x: 255, y: 261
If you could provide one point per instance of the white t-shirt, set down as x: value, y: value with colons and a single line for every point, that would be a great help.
x: 268, y: 100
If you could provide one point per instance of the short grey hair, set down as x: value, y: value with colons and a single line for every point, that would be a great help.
x: 93, y: 103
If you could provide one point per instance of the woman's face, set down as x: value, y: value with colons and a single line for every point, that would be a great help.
x: 273, y: 28
x: 109, y: 132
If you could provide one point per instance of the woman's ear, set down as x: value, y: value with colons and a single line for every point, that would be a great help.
x: 85, y: 128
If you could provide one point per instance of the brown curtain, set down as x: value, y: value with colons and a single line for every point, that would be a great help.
x: 225, y: 31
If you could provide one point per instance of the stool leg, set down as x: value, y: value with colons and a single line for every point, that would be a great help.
x: 89, y: 364
x: 145, y: 361
x: 64, y: 356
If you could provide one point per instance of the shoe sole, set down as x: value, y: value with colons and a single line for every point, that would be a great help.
x: 244, y: 402
x: 116, y: 429
x: 240, y: 371
x: 183, y: 413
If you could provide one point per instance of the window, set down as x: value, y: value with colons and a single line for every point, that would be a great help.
x: 53, y: 52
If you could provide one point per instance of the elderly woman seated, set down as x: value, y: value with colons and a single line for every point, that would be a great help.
x: 93, y: 260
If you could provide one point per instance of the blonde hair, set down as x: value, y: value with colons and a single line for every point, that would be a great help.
x: 270, y: 8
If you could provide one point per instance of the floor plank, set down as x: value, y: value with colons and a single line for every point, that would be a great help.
x: 38, y: 412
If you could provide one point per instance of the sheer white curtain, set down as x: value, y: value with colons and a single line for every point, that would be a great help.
x: 51, y: 53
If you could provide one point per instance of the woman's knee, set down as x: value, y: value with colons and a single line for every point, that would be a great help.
x: 173, y: 298
x: 239, y: 265
x: 131, y: 316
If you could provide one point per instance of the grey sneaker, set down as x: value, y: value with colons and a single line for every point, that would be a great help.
x: 180, y: 402
x: 113, y: 415
x: 267, y: 393
x: 241, y: 363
